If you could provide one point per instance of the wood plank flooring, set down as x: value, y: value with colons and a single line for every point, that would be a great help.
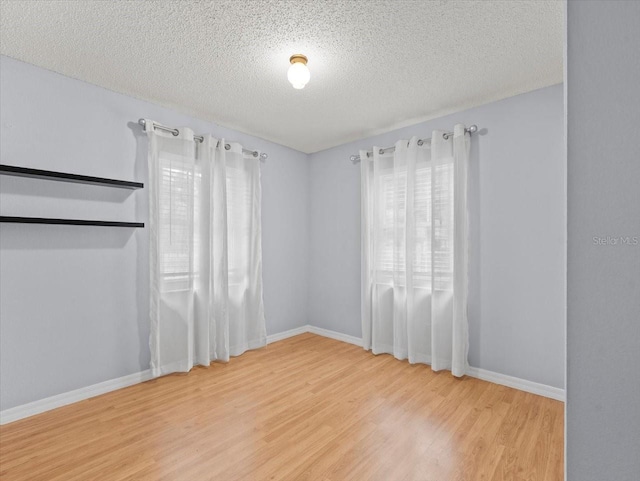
x: 306, y: 408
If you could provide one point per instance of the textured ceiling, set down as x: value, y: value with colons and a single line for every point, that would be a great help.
x: 375, y: 65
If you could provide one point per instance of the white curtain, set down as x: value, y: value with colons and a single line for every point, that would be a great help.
x: 414, y: 251
x: 205, y: 251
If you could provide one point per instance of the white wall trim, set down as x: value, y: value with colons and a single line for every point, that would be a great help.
x: 59, y: 400
x: 490, y: 376
x: 53, y: 402
x: 517, y: 383
x: 279, y: 336
x: 338, y: 336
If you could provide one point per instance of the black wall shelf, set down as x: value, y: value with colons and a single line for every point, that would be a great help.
x: 47, y: 220
x: 66, y: 177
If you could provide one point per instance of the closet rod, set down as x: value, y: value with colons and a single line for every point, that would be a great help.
x: 356, y: 158
x: 200, y: 138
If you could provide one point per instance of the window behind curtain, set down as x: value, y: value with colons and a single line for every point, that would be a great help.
x: 392, y: 201
x: 180, y: 182
x: 239, y: 218
x: 176, y: 213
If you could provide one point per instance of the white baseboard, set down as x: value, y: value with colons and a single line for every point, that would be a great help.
x: 338, y: 336
x: 279, y: 336
x: 494, y: 377
x: 53, y: 402
x: 59, y: 400
x: 517, y: 383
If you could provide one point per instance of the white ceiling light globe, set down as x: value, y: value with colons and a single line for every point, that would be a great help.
x: 298, y: 73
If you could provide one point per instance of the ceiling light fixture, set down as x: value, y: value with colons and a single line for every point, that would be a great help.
x: 298, y: 73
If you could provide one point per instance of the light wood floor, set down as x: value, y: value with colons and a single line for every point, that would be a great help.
x: 306, y: 408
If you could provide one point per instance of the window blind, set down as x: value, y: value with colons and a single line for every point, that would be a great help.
x: 391, y: 251
x: 175, y: 210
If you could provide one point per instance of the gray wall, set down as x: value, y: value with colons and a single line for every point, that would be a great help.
x: 73, y: 300
x: 603, y: 295
x: 518, y: 225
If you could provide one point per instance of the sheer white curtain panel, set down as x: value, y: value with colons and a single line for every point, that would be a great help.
x: 204, y: 251
x: 414, y: 251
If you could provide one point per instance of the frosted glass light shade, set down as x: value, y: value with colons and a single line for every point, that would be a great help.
x: 298, y: 75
